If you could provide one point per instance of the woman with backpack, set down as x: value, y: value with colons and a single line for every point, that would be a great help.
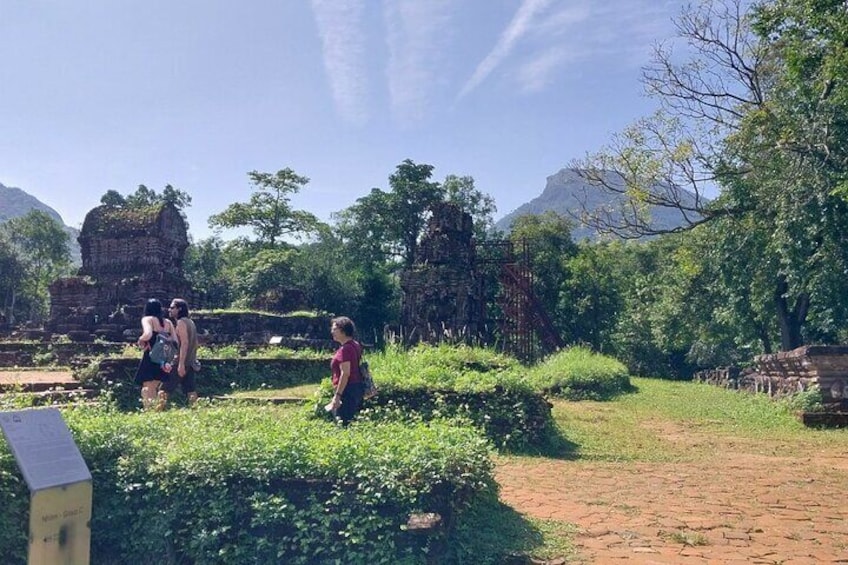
x: 149, y: 373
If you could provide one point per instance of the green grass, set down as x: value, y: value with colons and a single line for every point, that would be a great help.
x: 306, y: 392
x: 237, y: 352
x: 642, y: 426
x: 690, y: 539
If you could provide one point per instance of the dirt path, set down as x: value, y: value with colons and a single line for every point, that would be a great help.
x: 743, y: 503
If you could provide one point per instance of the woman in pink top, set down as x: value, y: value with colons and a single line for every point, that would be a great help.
x: 347, y: 380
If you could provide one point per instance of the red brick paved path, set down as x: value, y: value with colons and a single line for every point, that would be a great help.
x: 742, y: 504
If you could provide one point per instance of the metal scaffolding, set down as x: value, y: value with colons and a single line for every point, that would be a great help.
x: 524, y: 329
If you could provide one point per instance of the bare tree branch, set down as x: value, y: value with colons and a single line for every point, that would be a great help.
x: 671, y: 160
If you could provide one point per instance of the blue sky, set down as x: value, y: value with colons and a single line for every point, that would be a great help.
x: 109, y: 94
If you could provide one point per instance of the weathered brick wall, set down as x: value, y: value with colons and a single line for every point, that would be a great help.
x: 18, y: 354
x: 119, y: 241
x: 824, y: 367
x: 258, y: 328
x: 111, y: 258
x: 129, y: 256
x: 81, y: 304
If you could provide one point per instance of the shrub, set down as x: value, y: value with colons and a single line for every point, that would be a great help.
x: 477, y: 386
x: 809, y: 400
x: 260, y: 485
x: 577, y: 373
x: 446, y: 367
x: 44, y: 358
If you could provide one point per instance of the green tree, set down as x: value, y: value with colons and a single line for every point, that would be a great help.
x: 114, y: 199
x: 335, y: 281
x: 549, y: 244
x: 328, y: 277
x: 591, y: 295
x: 144, y: 196
x: 41, y: 246
x: 269, y: 213
x: 759, y: 112
x: 481, y: 206
x: 388, y: 225
x: 205, y: 267
x: 11, y: 277
x: 261, y: 272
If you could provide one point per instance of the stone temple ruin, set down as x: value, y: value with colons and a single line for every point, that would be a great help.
x: 128, y: 256
x: 459, y: 291
x: 809, y: 367
x: 442, y: 290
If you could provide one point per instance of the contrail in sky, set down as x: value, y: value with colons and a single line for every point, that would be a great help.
x: 516, y: 29
x: 340, y: 25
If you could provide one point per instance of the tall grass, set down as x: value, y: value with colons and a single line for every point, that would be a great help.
x: 445, y: 367
x: 578, y: 373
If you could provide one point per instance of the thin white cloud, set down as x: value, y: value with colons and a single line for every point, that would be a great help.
x: 340, y: 25
x: 630, y: 27
x: 617, y: 30
x: 517, y: 28
x: 537, y: 73
x: 564, y: 20
x: 418, y: 33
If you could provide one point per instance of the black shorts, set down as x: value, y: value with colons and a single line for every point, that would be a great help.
x: 187, y: 383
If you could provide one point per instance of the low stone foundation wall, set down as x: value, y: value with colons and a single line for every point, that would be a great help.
x: 257, y: 328
x: 65, y: 353
x: 822, y: 367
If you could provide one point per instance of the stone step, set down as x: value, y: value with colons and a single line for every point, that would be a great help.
x: 834, y: 419
x: 36, y: 381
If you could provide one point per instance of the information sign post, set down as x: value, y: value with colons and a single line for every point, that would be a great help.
x: 59, y: 485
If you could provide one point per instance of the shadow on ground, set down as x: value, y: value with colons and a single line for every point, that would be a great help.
x: 496, y: 533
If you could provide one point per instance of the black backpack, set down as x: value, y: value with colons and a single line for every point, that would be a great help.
x: 164, y: 349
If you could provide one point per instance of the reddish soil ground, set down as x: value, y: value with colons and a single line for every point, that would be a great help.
x: 741, y: 502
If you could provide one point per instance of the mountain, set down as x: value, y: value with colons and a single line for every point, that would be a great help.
x: 15, y: 203
x: 566, y: 192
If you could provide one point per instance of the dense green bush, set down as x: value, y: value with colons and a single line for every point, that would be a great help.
x: 478, y: 386
x: 809, y: 400
x: 577, y: 373
x: 14, y: 509
x: 491, y: 391
x: 259, y: 485
x: 455, y: 368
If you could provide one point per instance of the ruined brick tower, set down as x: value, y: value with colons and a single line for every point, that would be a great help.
x: 442, y: 291
x: 128, y: 256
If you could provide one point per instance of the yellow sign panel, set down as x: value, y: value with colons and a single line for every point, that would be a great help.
x: 60, y: 525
